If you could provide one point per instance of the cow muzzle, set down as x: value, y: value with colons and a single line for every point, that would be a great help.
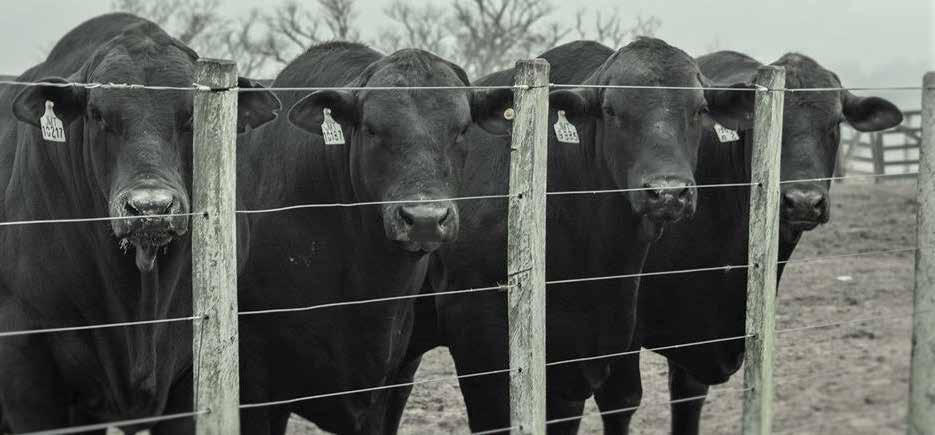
x: 666, y: 199
x: 423, y: 227
x: 804, y: 208
x: 148, y: 228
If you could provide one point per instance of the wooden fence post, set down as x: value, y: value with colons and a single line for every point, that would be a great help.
x: 922, y: 376
x: 214, y: 250
x: 526, y: 247
x: 763, y: 252
x: 878, y: 152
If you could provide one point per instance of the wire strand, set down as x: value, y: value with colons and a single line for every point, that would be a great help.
x: 849, y: 322
x: 856, y: 254
x: 641, y: 189
x: 648, y: 349
x: 360, y: 204
x: 368, y: 301
x: 101, y: 426
x: 635, y: 408
x: 99, y: 326
x: 365, y: 390
x: 848, y: 177
x: 94, y: 85
x: 383, y: 88
x: 98, y: 219
x: 737, y: 89
x: 637, y: 275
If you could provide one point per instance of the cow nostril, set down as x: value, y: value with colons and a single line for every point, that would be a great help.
x: 444, y: 217
x: 820, y: 203
x: 406, y: 216
x: 684, y: 194
x: 131, y: 209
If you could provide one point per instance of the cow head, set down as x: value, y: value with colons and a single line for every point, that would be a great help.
x: 136, y: 144
x: 648, y: 138
x: 811, y: 136
x: 408, y: 145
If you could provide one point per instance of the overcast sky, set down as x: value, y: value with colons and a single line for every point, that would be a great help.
x: 872, y: 40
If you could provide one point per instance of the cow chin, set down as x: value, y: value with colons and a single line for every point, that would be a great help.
x: 146, y: 238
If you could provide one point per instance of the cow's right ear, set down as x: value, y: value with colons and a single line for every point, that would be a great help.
x: 732, y: 105
x: 308, y: 113
x: 68, y: 102
x: 576, y: 102
x: 255, y: 108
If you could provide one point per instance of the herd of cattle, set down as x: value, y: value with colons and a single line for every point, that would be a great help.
x: 128, y: 153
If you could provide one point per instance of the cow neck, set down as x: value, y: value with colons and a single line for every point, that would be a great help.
x: 366, y: 221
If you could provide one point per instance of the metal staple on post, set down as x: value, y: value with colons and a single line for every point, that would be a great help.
x: 763, y: 252
x: 214, y: 250
x: 526, y: 247
x: 922, y: 375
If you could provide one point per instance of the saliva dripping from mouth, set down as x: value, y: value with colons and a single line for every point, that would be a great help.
x: 145, y: 252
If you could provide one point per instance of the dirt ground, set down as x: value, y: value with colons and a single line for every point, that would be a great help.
x: 849, y: 379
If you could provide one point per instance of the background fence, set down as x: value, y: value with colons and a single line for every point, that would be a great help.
x: 216, y: 313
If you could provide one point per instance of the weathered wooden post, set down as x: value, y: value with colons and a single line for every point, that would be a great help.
x: 526, y: 247
x: 922, y: 375
x: 763, y: 251
x: 214, y: 249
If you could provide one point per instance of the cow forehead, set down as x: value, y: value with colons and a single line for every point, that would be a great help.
x: 391, y: 106
x: 154, y: 66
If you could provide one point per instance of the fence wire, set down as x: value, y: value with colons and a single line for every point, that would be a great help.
x: 121, y: 423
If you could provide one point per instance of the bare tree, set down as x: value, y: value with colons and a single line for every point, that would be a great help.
x: 492, y: 33
x: 610, y: 30
x: 193, y: 22
x: 424, y: 27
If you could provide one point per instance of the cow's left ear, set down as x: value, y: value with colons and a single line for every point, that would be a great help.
x: 68, y: 102
x: 870, y: 113
x: 308, y: 113
x: 731, y: 105
x: 255, y: 108
x: 488, y: 107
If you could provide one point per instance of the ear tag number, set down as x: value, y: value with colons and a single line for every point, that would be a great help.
x: 51, y: 126
x: 331, y: 130
x: 565, y: 131
x: 725, y: 134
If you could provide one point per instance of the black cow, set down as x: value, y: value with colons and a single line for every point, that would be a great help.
x: 677, y: 309
x: 126, y: 153
x: 400, y: 145
x: 630, y: 138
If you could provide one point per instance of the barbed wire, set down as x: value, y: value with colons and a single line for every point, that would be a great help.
x: 96, y: 85
x: 369, y: 203
x: 102, y: 426
x: 849, y: 177
x: 642, y: 189
x: 856, y: 254
x: 649, y: 349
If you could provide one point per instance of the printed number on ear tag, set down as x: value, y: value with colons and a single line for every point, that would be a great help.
x: 725, y: 134
x: 331, y: 130
x: 51, y: 126
x: 565, y: 131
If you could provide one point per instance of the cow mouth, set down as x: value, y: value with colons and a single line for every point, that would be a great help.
x: 419, y: 248
x: 802, y: 225
x: 146, y: 246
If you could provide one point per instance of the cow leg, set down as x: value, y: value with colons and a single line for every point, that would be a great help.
x: 181, y: 399
x: 476, y: 333
x: 623, y: 389
x: 557, y: 409
x: 686, y: 416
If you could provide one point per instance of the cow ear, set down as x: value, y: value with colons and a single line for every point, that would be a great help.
x: 732, y: 105
x: 870, y: 113
x: 488, y: 108
x: 575, y: 102
x: 255, y: 108
x: 68, y: 102
x: 308, y: 113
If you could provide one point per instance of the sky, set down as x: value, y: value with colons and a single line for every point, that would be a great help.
x: 868, y: 42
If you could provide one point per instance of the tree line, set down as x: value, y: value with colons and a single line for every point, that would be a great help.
x: 480, y: 35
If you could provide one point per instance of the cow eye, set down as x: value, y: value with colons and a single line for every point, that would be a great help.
x: 703, y: 110
x: 609, y: 111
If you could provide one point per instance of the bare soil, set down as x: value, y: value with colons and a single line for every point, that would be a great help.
x: 846, y: 379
